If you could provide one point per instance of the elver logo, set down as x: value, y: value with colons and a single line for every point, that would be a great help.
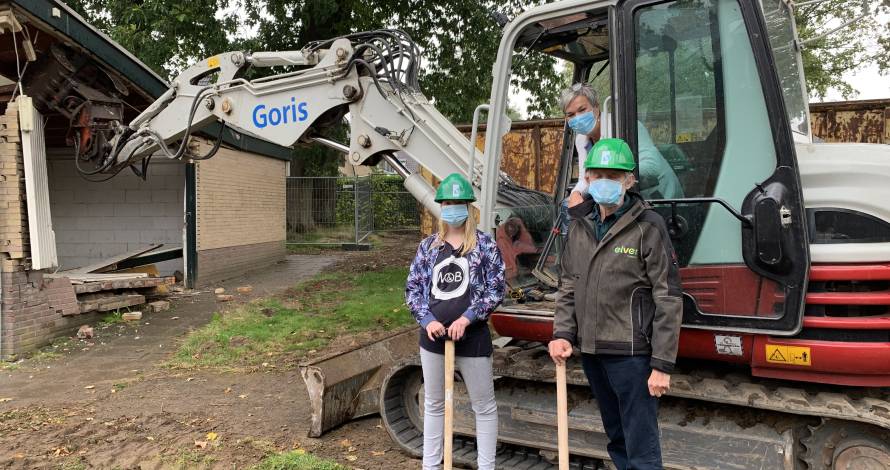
x: 626, y: 251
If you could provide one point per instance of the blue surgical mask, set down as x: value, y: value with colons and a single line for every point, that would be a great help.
x: 583, y: 123
x: 455, y: 215
x: 606, y: 192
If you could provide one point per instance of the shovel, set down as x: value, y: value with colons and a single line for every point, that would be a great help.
x: 449, y: 402
x: 562, y: 416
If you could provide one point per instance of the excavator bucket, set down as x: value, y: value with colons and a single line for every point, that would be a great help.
x: 346, y: 385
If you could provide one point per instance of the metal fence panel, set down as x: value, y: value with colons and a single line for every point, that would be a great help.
x: 346, y: 210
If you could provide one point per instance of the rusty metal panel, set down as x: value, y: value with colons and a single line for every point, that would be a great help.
x: 866, y: 121
x: 551, y: 147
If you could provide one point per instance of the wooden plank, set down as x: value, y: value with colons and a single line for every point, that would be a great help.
x: 107, y: 304
x: 111, y: 263
x: 90, y: 277
x: 143, y: 283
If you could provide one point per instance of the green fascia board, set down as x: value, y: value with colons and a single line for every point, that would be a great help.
x: 116, y: 57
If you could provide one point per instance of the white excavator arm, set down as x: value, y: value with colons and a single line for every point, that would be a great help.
x: 371, y: 76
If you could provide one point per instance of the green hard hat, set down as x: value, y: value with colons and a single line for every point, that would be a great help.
x: 455, y: 188
x: 610, y: 154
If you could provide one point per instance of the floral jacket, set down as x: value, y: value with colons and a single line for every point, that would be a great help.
x: 486, y: 279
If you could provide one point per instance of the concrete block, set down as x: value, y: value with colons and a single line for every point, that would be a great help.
x: 131, y: 316
x: 102, y: 236
x: 167, y: 168
x: 159, y: 306
x: 138, y: 196
x: 89, y: 222
x: 60, y: 196
x: 173, y: 182
x: 127, y: 236
x: 64, y: 237
x: 175, y: 222
x: 107, y: 250
x: 135, y: 223
x: 103, y: 209
x: 152, y: 210
x: 67, y: 182
x: 81, y: 250
x: 123, y: 209
x: 151, y: 236
x: 61, y: 221
x: 164, y: 195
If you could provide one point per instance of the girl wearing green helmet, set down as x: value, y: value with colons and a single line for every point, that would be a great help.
x: 455, y: 282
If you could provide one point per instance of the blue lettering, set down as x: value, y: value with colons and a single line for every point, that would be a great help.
x: 274, y: 116
x: 294, y: 112
x: 257, y: 122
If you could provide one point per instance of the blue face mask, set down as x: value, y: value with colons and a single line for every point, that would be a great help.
x: 606, y: 192
x: 455, y: 215
x: 583, y: 123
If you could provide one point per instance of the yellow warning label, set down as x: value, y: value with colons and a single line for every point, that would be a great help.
x: 794, y: 355
x: 213, y: 62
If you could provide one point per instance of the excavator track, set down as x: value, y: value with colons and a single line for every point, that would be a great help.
x: 707, y: 422
x: 399, y: 406
x: 870, y: 406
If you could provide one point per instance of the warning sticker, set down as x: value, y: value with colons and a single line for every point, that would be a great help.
x: 793, y: 355
x: 213, y: 62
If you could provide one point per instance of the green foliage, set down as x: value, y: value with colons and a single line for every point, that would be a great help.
x: 458, y: 40
x: 865, y: 42
x: 168, y: 35
x: 392, y: 206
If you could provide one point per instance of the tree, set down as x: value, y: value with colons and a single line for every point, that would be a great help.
x: 828, y: 58
x: 167, y: 35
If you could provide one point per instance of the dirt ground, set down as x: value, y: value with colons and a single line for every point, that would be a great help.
x: 109, y: 402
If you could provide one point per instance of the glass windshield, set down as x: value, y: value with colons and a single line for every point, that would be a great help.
x: 780, y: 27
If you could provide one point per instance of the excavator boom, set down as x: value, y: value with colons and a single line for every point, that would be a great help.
x: 371, y: 77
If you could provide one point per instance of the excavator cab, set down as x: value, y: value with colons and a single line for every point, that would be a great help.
x: 708, y: 94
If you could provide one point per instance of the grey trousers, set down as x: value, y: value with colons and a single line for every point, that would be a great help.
x: 476, y: 374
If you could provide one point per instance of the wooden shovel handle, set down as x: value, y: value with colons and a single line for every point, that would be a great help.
x: 449, y: 402
x: 562, y: 417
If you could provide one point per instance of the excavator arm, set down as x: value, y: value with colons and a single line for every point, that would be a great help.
x: 370, y: 76
x: 368, y: 79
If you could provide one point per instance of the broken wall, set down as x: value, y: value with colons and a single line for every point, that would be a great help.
x: 33, y: 309
x: 96, y: 221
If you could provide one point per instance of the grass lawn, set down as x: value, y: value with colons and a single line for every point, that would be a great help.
x: 273, y: 331
x: 297, y: 460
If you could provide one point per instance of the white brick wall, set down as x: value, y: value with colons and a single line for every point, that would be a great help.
x: 94, y: 221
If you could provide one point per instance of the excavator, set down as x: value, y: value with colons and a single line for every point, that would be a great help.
x: 783, y: 242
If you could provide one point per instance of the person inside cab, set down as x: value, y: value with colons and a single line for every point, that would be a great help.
x: 581, y: 108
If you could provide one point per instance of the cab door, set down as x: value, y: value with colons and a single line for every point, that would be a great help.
x: 700, y: 103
